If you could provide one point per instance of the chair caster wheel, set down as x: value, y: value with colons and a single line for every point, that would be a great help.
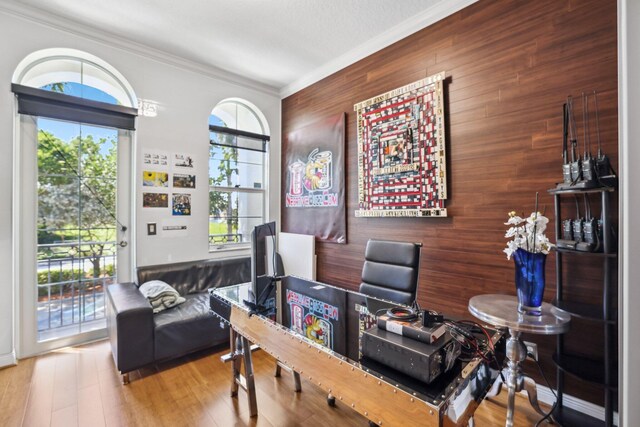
x: 331, y: 401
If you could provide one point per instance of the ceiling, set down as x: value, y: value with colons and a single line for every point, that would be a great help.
x: 282, y: 45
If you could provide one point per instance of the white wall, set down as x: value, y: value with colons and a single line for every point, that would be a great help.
x: 629, y: 110
x: 185, y: 100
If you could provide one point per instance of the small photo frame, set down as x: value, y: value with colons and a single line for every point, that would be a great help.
x: 181, y: 204
x: 182, y: 160
x: 183, y: 180
x: 155, y: 179
x: 155, y: 200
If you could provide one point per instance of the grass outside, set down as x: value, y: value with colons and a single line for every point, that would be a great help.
x: 70, y: 238
x: 102, y: 234
x: 221, y: 228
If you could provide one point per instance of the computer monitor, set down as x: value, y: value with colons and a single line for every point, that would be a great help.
x: 263, y: 262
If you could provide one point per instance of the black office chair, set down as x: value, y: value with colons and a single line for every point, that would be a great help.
x: 390, y: 270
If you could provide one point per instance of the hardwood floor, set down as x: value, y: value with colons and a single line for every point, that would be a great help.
x: 79, y: 386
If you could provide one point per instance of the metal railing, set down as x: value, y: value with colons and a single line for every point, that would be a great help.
x: 216, y: 239
x: 71, y: 279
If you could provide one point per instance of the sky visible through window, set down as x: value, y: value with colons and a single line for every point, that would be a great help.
x: 216, y: 121
x: 83, y: 91
x: 66, y: 131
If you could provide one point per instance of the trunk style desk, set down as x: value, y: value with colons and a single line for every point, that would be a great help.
x: 328, y: 355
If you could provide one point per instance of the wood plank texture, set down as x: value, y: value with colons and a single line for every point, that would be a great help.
x: 191, y: 391
x: 349, y: 384
x: 510, y: 65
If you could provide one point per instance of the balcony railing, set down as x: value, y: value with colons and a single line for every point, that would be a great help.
x: 217, y: 239
x: 72, y: 277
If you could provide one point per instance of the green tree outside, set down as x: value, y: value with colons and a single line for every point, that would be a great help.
x: 77, y: 197
x: 221, y: 204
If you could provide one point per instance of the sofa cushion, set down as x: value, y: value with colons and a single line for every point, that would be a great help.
x: 187, y: 327
x: 195, y: 306
x: 161, y: 295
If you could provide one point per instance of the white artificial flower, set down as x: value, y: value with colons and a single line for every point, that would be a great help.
x: 539, y: 223
x: 510, y: 249
x: 511, y: 232
x: 514, y: 220
x: 523, y: 235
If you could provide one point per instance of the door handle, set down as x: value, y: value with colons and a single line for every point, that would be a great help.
x: 123, y: 244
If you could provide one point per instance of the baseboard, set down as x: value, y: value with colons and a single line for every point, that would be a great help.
x: 8, y: 359
x: 546, y: 396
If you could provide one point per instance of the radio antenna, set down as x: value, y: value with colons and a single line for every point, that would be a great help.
x: 587, y: 136
x: 595, y: 97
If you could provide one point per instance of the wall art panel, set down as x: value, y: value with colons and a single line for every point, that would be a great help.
x: 401, y: 151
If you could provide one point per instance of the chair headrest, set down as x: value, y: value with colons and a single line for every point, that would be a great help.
x: 391, y: 252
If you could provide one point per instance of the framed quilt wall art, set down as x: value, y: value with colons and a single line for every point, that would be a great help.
x: 401, y: 152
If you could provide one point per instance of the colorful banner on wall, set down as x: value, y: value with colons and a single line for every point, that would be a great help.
x: 401, y: 152
x: 313, y: 168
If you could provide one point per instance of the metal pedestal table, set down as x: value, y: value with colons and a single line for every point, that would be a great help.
x: 502, y: 311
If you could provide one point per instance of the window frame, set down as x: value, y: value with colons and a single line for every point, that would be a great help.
x: 26, y: 175
x: 82, y: 58
x: 264, y: 190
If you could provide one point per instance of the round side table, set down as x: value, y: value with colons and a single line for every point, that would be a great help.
x: 502, y: 311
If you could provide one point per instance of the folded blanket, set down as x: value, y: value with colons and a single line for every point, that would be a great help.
x: 161, y: 295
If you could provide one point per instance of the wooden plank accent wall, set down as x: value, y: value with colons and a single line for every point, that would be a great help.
x: 510, y: 65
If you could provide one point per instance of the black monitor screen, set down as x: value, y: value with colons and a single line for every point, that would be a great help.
x: 263, y: 258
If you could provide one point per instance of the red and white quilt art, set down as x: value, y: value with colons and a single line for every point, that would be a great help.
x: 401, y: 151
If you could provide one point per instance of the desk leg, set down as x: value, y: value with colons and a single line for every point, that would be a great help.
x: 296, y: 375
x: 249, y: 379
x: 241, y: 351
x: 234, y: 340
x: 516, y: 353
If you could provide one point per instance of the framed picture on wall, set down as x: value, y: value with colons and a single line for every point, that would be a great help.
x: 183, y: 180
x: 401, y: 152
x: 181, y: 204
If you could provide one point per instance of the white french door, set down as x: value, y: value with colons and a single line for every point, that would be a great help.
x: 74, y: 196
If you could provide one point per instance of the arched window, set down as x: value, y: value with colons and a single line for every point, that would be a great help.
x: 237, y: 172
x: 75, y: 73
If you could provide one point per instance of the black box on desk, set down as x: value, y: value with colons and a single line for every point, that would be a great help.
x: 419, y: 360
x: 413, y: 329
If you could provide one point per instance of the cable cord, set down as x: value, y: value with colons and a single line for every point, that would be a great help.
x: 555, y: 404
x: 459, y: 332
x: 402, y: 313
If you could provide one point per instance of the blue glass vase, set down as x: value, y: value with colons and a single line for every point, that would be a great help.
x: 529, y: 281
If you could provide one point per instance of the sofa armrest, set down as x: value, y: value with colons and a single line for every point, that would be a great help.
x: 130, y: 325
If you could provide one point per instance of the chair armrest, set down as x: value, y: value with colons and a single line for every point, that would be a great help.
x: 130, y: 325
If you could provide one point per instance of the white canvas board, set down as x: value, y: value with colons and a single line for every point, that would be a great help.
x: 298, y: 252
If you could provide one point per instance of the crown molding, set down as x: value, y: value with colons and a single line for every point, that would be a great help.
x: 80, y: 29
x: 419, y: 21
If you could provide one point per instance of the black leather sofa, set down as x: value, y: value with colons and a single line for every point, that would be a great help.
x: 139, y: 338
